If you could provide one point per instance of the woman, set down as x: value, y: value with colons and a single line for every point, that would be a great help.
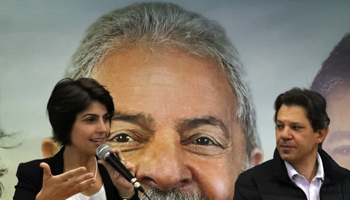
x: 80, y: 113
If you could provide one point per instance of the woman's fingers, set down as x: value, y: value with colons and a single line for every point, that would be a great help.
x: 125, y: 188
x: 64, y: 185
x: 73, y: 174
x: 47, y: 170
x: 130, y: 166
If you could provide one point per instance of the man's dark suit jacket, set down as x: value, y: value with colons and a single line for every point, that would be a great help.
x: 270, y: 181
x: 30, y: 178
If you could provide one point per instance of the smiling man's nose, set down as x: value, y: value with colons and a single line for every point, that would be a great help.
x: 163, y: 166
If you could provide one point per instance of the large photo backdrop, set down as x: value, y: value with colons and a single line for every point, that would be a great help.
x: 282, y: 44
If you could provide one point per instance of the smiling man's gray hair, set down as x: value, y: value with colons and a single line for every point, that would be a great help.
x: 167, y: 25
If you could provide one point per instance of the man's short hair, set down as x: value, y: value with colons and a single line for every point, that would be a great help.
x: 313, y: 103
x: 166, y: 26
x: 335, y: 71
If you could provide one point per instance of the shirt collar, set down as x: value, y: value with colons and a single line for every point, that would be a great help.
x: 320, y: 171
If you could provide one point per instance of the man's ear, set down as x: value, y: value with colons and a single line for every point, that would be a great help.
x: 49, y: 147
x: 256, y: 157
x: 321, y: 135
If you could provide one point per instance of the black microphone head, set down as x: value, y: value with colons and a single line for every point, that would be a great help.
x: 102, y: 151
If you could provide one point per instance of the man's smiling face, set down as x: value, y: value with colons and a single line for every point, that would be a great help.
x: 175, y: 120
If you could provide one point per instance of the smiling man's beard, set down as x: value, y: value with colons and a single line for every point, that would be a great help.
x: 176, y: 194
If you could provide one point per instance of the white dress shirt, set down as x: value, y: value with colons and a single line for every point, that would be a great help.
x: 311, y: 190
x: 100, y: 195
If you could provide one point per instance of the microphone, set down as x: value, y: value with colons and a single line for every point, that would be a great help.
x: 103, y: 153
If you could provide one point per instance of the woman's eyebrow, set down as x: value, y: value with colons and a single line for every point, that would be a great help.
x: 90, y: 115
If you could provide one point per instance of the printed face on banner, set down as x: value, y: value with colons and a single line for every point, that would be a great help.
x: 337, y: 143
x: 175, y: 120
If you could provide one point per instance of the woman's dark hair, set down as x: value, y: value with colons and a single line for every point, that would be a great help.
x: 70, y: 97
x: 313, y: 103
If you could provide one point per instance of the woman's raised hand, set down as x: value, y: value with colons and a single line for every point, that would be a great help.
x: 65, y: 185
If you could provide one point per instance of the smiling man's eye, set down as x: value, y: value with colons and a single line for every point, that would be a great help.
x: 121, y: 138
x: 203, y: 141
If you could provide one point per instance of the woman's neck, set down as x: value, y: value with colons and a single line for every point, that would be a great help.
x: 73, y: 158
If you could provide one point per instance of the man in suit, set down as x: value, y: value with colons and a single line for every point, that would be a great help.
x: 300, y: 169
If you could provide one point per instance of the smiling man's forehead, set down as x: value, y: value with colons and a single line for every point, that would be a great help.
x: 180, y: 125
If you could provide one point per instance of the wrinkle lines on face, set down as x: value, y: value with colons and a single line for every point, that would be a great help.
x: 192, y: 123
x: 145, y: 121
x: 175, y: 120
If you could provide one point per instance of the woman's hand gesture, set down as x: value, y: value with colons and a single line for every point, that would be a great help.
x: 65, y: 185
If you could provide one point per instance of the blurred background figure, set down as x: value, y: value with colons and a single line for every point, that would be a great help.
x: 49, y: 147
x: 333, y: 82
x: 2, y: 170
x: 7, y: 141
